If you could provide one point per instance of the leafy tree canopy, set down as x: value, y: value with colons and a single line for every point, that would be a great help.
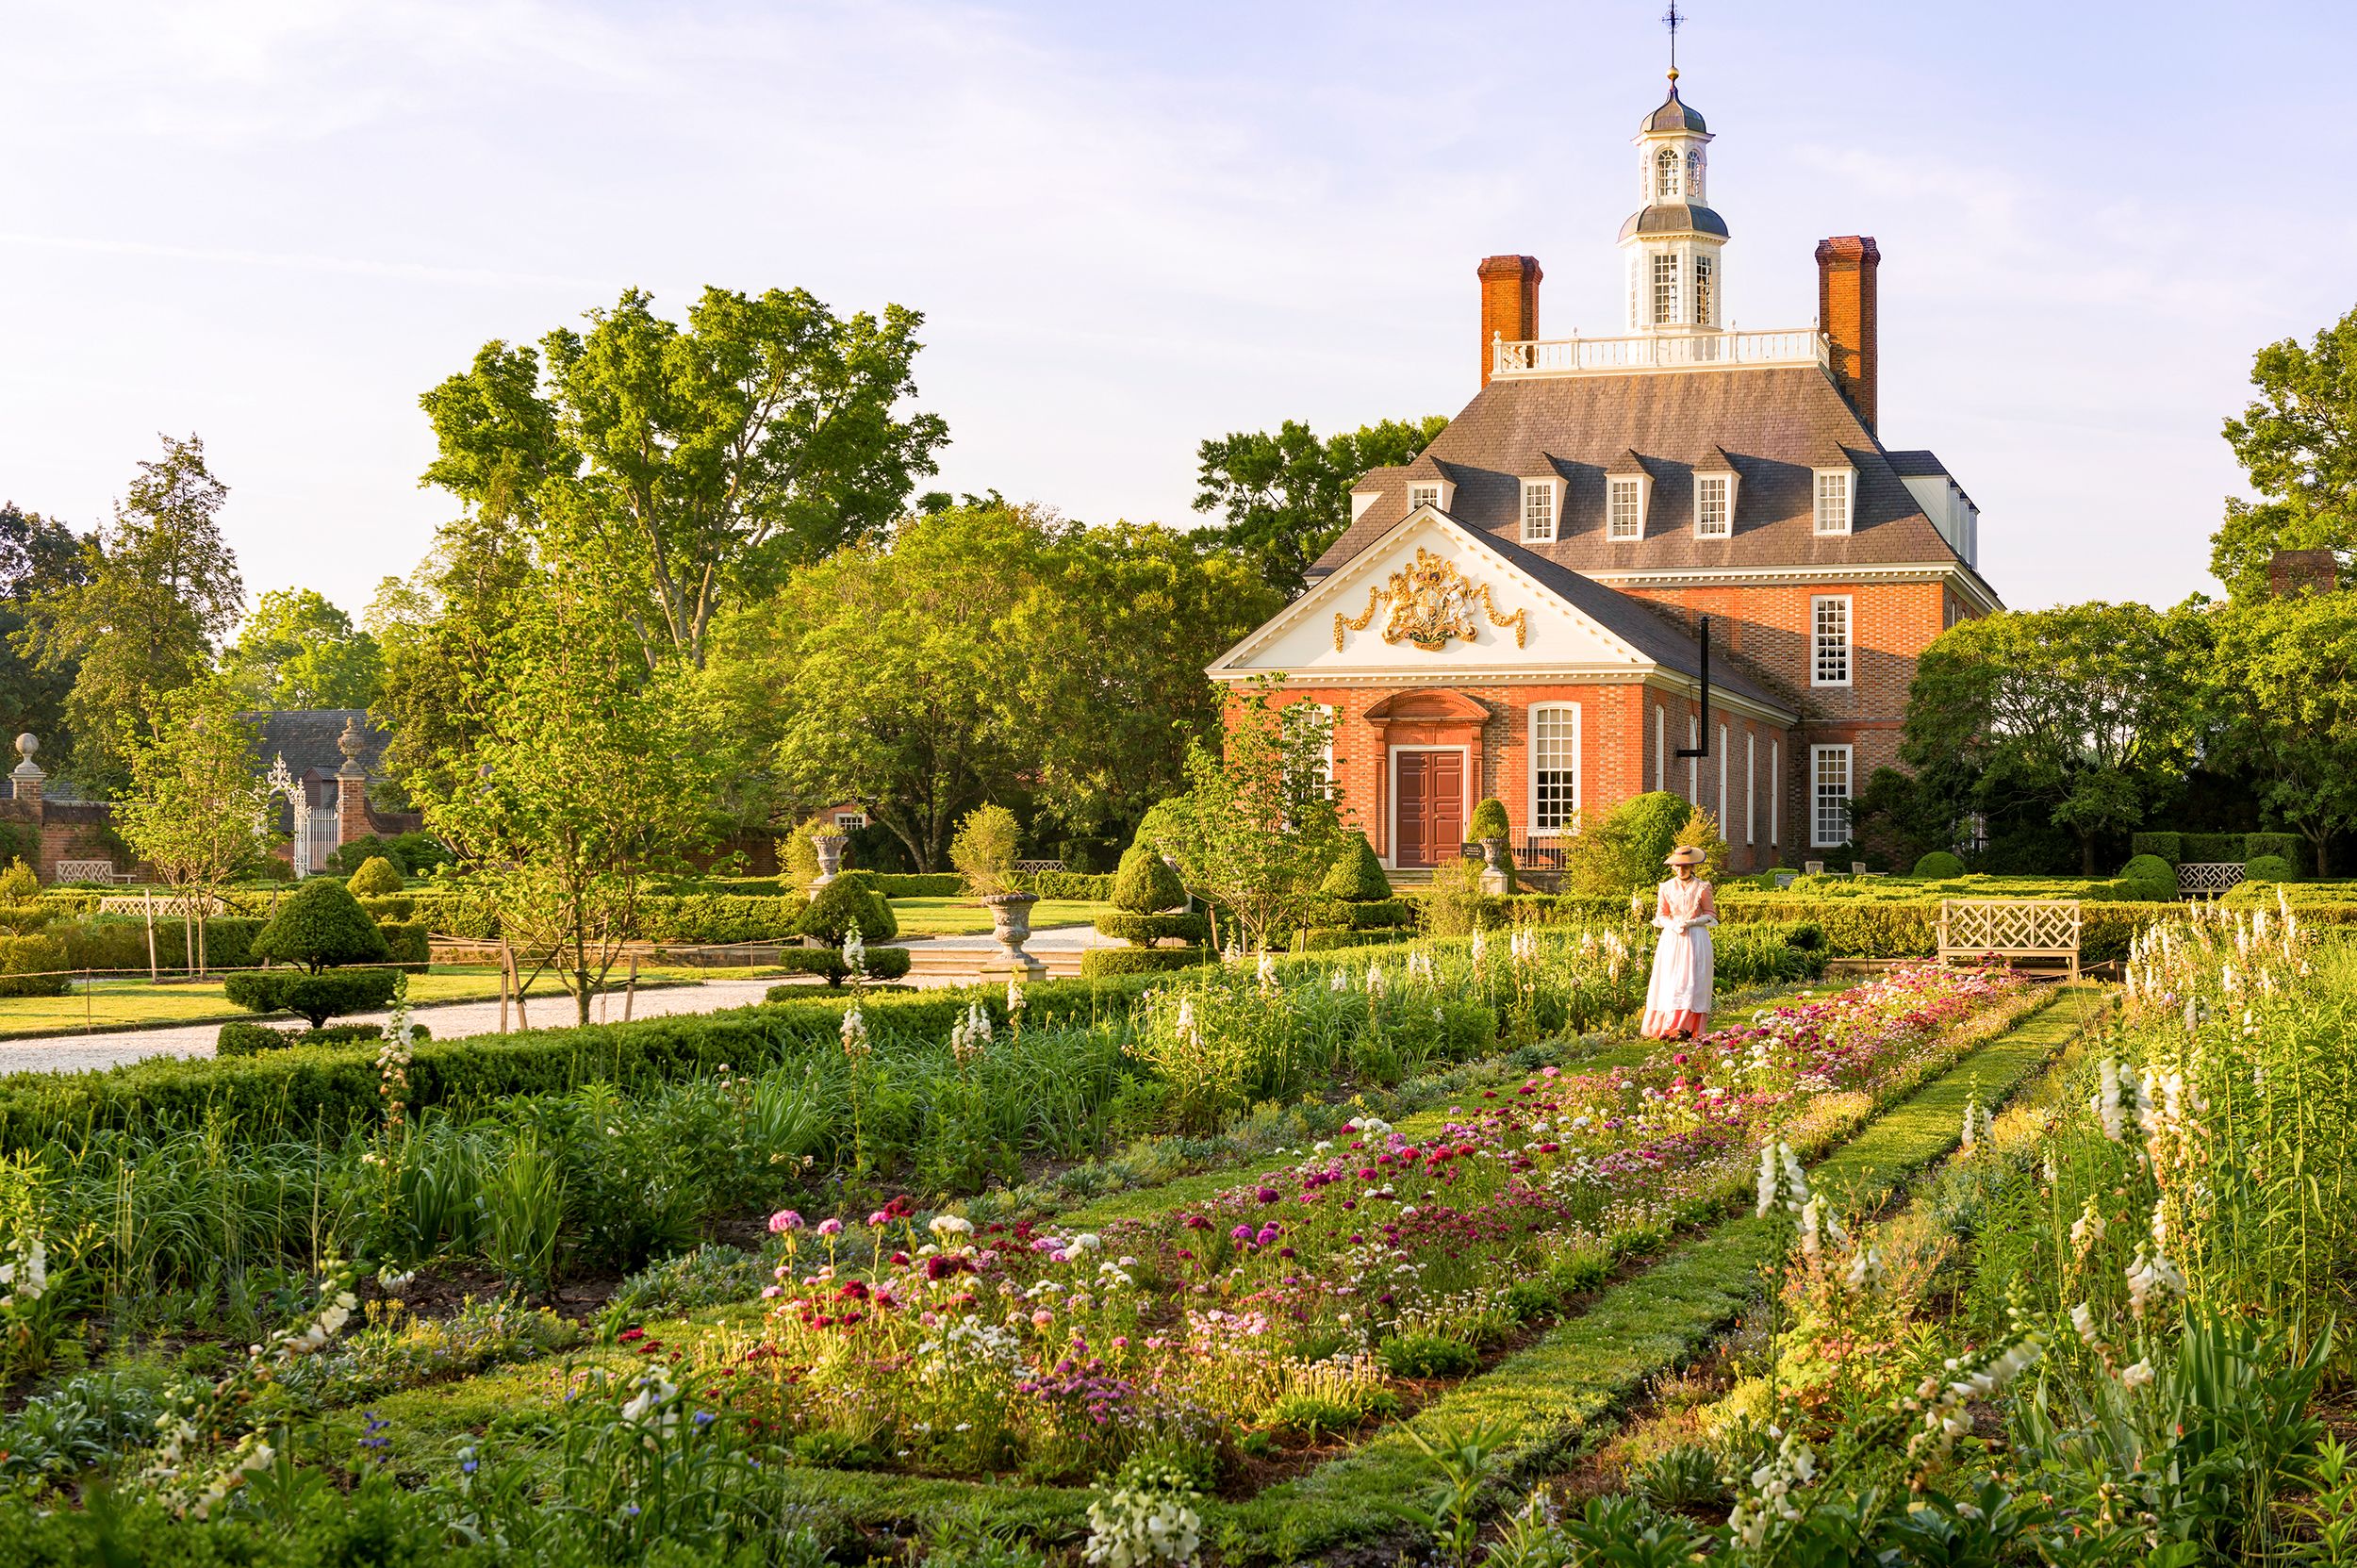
x: 299, y: 650
x: 155, y: 589
x: 2092, y: 710
x: 37, y: 556
x: 2298, y: 441
x: 679, y: 469
x: 2284, y: 688
x: 1286, y: 494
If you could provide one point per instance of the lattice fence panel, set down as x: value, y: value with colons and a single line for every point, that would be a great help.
x: 2009, y: 925
x: 2208, y: 876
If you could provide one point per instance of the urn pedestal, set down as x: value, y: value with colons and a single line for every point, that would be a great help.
x: 1010, y: 927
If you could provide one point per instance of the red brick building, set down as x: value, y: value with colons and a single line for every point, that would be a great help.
x: 1516, y: 613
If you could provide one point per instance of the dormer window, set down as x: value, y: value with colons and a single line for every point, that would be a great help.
x: 1714, y: 505
x: 1667, y: 167
x: 1423, y: 495
x: 1625, y: 507
x: 1539, y: 510
x: 1836, y: 489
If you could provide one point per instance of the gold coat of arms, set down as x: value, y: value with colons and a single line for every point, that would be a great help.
x: 1431, y: 601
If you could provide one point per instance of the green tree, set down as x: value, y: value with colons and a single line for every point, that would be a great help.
x: 37, y: 556
x: 299, y: 650
x: 588, y: 776
x: 888, y: 676
x: 2092, y: 710
x: 2285, y: 680
x: 196, y: 808
x: 1259, y: 825
x: 2298, y: 441
x: 159, y: 588
x: 681, y: 469
x: 1111, y: 647
x: 1286, y: 495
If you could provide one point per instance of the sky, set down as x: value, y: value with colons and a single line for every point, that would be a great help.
x: 275, y: 223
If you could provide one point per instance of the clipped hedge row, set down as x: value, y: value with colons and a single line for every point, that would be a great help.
x: 1144, y: 931
x: 1099, y: 962
x: 244, y: 1039
x: 2216, y: 848
x: 1085, y: 886
x: 882, y: 964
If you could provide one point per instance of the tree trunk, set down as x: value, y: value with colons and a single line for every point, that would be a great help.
x: 2086, y: 854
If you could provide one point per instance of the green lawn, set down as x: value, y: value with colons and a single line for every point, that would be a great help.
x: 120, y: 1003
x: 965, y: 917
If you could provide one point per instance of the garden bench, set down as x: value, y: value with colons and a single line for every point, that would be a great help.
x: 2010, y: 929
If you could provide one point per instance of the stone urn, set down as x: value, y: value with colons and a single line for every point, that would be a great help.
x: 1010, y: 927
x: 1497, y: 878
x: 830, y: 848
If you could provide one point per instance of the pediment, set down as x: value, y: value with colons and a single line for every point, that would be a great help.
x: 1428, y: 599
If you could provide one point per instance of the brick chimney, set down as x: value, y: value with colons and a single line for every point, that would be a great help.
x: 2291, y: 572
x: 1846, y: 313
x: 1509, y: 303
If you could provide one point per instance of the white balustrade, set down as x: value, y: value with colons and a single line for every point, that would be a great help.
x: 1654, y: 351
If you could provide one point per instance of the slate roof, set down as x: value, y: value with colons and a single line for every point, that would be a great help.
x: 1776, y: 425
x: 1915, y: 465
x: 1674, y: 218
x: 1652, y: 633
x: 1672, y: 116
x: 307, y: 739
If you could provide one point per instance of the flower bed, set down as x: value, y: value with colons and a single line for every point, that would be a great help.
x: 1313, y: 1299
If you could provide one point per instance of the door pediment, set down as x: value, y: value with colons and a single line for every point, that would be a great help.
x: 1427, y: 704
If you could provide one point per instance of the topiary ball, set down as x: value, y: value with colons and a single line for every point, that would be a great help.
x: 851, y: 900
x: 2153, y: 877
x: 377, y: 878
x: 1940, y: 865
x: 1144, y: 883
x: 320, y: 926
x: 1358, y: 877
x: 1488, y: 821
x: 2268, y: 868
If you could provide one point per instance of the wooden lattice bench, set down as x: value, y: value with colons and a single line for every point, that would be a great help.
x: 2010, y: 929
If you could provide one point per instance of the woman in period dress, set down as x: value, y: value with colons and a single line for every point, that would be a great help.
x: 1677, y: 1002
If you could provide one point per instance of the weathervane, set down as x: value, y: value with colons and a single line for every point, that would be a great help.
x: 1670, y: 18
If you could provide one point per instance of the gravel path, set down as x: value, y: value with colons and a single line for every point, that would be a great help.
x: 456, y: 1021
x: 450, y: 1021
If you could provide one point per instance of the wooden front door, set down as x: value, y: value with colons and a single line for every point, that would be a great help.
x: 1429, y: 814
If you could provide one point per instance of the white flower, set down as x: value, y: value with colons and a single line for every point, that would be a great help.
x: 854, y: 1033
x: 2082, y: 1320
x: 950, y: 1225
x: 2087, y: 1228
x: 2105, y: 1101
x: 855, y: 952
x: 2137, y: 1377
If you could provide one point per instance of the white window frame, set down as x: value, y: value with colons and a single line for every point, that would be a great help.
x: 1776, y: 795
x: 1702, y: 482
x: 1834, y: 512
x: 1548, y: 493
x: 1750, y: 787
x: 1570, y: 822
x: 1706, y: 287
x: 1694, y: 163
x: 1332, y: 717
x: 1661, y: 747
x: 1667, y: 288
x: 1819, y: 643
x: 1693, y: 764
x: 1669, y: 176
x: 1425, y: 495
x: 850, y: 821
x: 1818, y: 757
x: 1722, y: 778
x: 1615, y: 486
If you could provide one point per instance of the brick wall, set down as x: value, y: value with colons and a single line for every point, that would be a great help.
x: 1615, y: 756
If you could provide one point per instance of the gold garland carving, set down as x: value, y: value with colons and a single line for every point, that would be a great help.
x: 1431, y: 601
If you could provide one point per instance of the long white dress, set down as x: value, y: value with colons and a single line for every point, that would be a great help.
x: 1677, y: 999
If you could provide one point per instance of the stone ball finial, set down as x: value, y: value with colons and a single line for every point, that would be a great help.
x: 26, y: 744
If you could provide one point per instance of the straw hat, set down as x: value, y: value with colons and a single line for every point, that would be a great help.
x: 1685, y: 854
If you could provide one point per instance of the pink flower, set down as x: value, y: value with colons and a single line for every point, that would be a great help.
x: 769, y: 1291
x: 1042, y: 1318
x: 879, y: 1219
x: 830, y: 1228
x: 785, y: 1220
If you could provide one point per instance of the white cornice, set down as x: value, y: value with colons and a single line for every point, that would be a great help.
x: 1968, y: 581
